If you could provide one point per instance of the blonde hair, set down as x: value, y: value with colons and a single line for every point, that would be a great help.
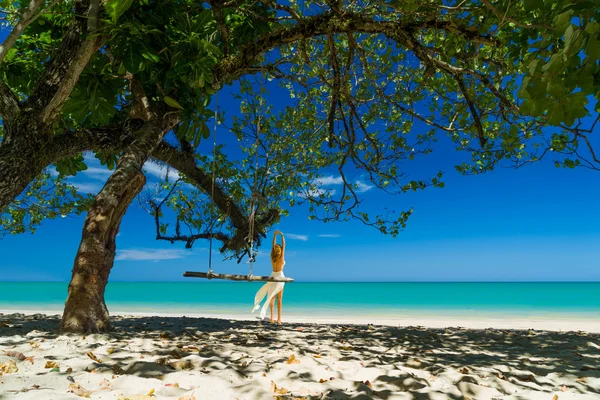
x: 276, y: 253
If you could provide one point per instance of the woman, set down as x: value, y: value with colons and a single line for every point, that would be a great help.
x: 273, y: 289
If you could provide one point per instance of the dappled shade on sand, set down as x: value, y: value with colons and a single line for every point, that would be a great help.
x: 203, y: 358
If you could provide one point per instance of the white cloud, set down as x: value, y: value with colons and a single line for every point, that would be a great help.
x: 316, y: 193
x: 329, y: 180
x: 98, y: 173
x: 88, y: 187
x: 52, y: 171
x: 363, y: 187
x: 150, y: 254
x: 160, y: 171
x: 329, y: 235
x: 294, y: 236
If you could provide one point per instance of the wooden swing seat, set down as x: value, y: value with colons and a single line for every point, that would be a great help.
x: 233, y: 277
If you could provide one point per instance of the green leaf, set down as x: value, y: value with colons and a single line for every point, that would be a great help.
x: 593, y: 48
x: 116, y: 8
x: 205, y: 131
x: 532, y: 5
x: 171, y: 102
x: 592, y: 27
x: 133, y: 59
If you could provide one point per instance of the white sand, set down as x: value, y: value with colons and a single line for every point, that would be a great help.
x: 207, y: 358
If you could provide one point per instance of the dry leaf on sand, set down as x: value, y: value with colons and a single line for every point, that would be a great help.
x: 564, y: 388
x: 9, y: 367
x: 105, y: 383
x: 93, y: 357
x: 15, y: 354
x: 78, y: 390
x: 555, y: 397
x: 369, y: 384
x: 110, y: 350
x: 276, y: 390
x: 51, y: 364
x: 292, y: 360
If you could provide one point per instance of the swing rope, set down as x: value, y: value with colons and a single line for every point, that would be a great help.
x: 212, y: 188
x: 254, y: 195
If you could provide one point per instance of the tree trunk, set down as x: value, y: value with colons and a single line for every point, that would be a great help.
x: 85, y: 309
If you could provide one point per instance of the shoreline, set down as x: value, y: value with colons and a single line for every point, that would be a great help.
x: 557, y: 322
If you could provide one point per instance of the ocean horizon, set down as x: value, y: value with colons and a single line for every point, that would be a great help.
x: 467, y: 299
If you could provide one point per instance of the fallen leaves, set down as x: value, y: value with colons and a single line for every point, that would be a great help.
x: 9, y: 367
x: 326, y: 380
x: 581, y: 380
x: 464, y: 370
x: 292, y: 360
x: 51, y: 364
x: 34, y: 344
x: 93, y: 357
x: 555, y: 397
x: 18, y: 356
x: 276, y: 390
x: 110, y: 350
x: 78, y: 390
x: 105, y: 384
x: 15, y: 354
x: 368, y: 384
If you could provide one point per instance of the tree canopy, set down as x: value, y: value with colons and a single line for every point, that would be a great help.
x: 373, y: 84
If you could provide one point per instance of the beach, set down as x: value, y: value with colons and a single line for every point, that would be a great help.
x: 168, y: 357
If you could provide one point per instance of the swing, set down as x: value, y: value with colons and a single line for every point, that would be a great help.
x: 233, y: 277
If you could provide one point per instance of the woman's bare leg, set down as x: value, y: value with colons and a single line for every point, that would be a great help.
x: 272, y: 305
x: 279, y: 304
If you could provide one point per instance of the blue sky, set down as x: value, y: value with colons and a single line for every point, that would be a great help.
x: 538, y: 223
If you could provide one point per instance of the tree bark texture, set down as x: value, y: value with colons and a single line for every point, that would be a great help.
x: 85, y: 309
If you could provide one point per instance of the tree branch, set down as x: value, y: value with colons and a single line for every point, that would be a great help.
x: 30, y: 14
x: 503, y: 17
x: 476, y: 119
x: 62, y: 73
x: 9, y: 104
x: 186, y: 164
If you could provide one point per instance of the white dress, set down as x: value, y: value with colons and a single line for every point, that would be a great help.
x: 269, y: 289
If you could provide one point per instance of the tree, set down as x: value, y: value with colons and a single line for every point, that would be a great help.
x: 374, y: 84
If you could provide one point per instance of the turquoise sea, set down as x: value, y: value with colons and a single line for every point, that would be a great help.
x: 325, y: 298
